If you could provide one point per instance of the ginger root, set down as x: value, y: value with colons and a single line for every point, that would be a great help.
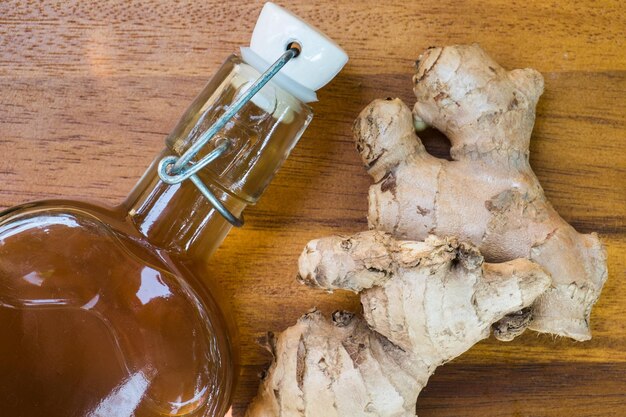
x: 487, y: 194
x: 425, y: 303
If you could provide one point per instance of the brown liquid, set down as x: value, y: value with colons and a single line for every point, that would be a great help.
x: 95, y: 322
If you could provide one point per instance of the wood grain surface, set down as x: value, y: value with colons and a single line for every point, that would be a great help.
x: 89, y: 90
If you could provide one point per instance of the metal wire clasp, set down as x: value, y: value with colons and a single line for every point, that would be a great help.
x: 174, y: 170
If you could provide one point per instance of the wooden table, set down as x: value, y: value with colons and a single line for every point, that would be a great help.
x: 90, y: 89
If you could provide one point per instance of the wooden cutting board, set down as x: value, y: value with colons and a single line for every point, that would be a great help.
x: 89, y: 90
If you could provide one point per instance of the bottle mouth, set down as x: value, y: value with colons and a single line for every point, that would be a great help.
x: 302, y: 93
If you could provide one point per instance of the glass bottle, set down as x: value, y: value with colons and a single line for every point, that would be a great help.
x: 110, y: 311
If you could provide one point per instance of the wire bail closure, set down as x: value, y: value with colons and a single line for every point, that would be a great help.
x: 174, y: 170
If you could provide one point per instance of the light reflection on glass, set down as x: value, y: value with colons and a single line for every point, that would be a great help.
x: 123, y: 399
x: 152, y: 286
x: 33, y: 278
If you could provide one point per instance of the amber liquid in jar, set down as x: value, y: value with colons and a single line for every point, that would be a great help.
x: 111, y: 312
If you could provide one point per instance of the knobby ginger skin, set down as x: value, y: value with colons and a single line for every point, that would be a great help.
x: 488, y: 194
x: 424, y: 304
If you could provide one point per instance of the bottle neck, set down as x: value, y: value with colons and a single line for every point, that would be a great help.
x: 178, y: 218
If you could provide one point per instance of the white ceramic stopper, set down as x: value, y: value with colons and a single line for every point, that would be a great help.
x: 320, y: 58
